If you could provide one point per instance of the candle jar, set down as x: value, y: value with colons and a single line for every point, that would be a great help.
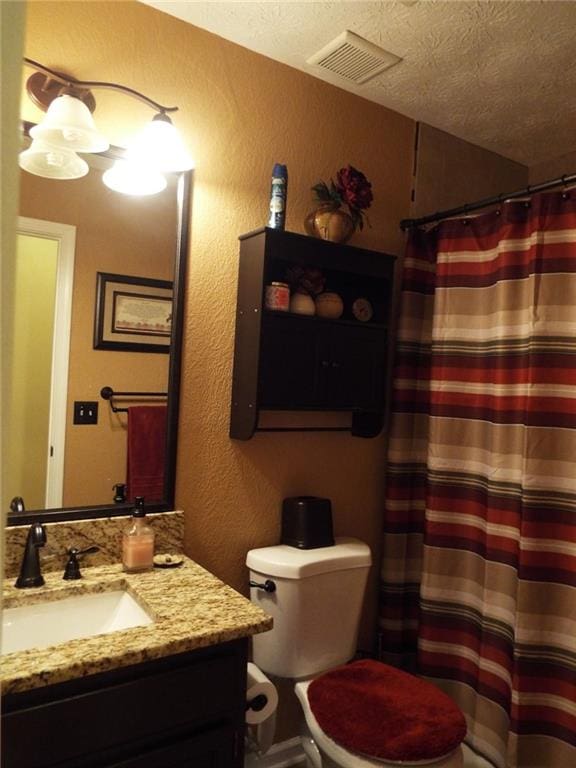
x: 277, y: 297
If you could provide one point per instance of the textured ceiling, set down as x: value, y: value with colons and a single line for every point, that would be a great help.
x: 498, y: 73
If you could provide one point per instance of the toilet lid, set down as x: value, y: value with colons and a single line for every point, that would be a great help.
x: 385, y: 713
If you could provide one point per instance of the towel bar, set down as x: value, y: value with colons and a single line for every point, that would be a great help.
x: 107, y: 393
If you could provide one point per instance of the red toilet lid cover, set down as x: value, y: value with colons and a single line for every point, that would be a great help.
x: 383, y: 712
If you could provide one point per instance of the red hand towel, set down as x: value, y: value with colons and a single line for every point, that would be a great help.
x: 146, y: 452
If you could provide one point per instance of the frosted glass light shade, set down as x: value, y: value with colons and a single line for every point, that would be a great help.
x: 132, y: 178
x: 160, y: 145
x: 51, y: 162
x: 69, y: 124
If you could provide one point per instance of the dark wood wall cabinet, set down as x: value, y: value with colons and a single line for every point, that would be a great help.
x: 285, y: 361
x: 184, y: 711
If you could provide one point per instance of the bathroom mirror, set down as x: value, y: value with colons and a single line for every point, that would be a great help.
x: 133, y: 247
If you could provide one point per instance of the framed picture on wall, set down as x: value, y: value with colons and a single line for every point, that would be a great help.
x: 132, y: 314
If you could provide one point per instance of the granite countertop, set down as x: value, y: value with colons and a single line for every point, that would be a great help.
x: 191, y: 609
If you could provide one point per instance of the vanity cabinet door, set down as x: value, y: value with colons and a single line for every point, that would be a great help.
x: 137, y: 717
x: 215, y: 749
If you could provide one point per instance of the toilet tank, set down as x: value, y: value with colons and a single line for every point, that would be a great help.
x: 316, y: 606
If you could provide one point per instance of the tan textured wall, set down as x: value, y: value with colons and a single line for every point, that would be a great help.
x: 553, y: 169
x: 122, y: 235
x: 240, y: 113
x: 451, y: 172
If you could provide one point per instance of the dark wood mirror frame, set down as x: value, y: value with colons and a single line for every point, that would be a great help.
x: 183, y: 202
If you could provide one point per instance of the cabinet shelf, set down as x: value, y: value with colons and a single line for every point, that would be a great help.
x: 285, y: 361
x: 271, y: 316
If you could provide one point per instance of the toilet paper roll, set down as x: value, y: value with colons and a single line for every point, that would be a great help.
x: 261, y: 696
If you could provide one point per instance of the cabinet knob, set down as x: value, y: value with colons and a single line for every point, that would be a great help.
x: 325, y: 364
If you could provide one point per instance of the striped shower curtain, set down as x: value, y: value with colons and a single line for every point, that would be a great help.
x: 479, y: 552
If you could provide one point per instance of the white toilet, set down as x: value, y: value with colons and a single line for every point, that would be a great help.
x: 315, y: 598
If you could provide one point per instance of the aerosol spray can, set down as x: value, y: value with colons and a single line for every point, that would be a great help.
x: 278, y: 197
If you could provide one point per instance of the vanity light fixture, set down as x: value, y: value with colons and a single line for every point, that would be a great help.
x: 161, y: 143
x: 69, y: 125
x: 52, y: 162
x: 69, y: 128
x: 132, y: 178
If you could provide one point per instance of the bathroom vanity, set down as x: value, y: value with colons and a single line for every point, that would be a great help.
x: 168, y: 694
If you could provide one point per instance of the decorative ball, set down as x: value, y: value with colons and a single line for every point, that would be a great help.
x: 302, y: 304
x: 329, y: 305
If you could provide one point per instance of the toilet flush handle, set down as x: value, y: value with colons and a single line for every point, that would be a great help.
x: 268, y: 586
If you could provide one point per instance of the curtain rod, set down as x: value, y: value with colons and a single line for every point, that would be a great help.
x: 468, y: 207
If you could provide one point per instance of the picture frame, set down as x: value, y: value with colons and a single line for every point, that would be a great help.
x: 132, y: 314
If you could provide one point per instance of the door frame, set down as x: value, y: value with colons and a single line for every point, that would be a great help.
x: 65, y: 236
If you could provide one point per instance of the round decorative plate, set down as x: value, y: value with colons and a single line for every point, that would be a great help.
x: 168, y: 561
x: 362, y: 310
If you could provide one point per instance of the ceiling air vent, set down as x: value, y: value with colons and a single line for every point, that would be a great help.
x: 353, y: 58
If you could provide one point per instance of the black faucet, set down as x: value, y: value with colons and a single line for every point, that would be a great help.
x: 30, y: 575
x: 72, y: 570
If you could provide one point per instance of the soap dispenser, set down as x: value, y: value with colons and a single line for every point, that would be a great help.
x: 138, y: 541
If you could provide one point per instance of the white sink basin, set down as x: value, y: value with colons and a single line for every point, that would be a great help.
x: 44, y: 624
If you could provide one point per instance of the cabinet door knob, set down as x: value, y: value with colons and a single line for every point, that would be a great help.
x: 325, y: 363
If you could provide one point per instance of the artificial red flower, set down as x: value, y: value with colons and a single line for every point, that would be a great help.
x: 351, y: 188
x: 354, y: 188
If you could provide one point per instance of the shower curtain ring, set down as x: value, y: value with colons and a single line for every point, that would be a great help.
x: 528, y: 203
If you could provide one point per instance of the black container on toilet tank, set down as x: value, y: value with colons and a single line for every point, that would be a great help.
x: 307, y: 522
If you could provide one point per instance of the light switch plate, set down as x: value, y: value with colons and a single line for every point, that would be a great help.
x: 85, y: 412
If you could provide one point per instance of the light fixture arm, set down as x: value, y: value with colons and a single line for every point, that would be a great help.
x: 71, y: 82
